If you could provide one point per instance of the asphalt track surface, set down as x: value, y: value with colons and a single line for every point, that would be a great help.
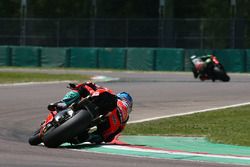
x: 155, y: 94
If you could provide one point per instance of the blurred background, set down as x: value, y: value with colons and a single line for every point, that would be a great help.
x: 202, y: 24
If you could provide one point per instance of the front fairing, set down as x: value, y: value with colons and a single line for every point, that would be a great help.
x: 55, y: 119
x: 50, y: 117
x: 63, y: 116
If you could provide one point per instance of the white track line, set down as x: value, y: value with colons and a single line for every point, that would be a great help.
x: 192, y: 112
x: 173, y: 152
x: 35, y: 83
x: 97, y: 78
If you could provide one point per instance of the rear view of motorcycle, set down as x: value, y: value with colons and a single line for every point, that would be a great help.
x: 208, y: 68
x: 65, y: 126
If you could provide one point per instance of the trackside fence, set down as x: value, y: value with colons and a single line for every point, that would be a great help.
x: 146, y: 59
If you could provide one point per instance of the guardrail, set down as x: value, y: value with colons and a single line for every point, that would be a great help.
x: 148, y: 59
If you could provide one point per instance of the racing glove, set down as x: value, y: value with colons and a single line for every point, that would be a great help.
x: 71, y: 86
x: 51, y: 107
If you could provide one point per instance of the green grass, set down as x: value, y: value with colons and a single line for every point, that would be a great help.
x: 14, y: 77
x: 228, y: 126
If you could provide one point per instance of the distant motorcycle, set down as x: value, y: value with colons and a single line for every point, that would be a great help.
x: 213, y: 70
x: 65, y: 126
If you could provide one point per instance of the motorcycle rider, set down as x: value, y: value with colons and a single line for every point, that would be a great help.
x: 114, y: 108
x: 201, y: 65
x: 116, y: 120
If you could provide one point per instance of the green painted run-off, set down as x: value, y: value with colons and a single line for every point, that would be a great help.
x: 181, y: 148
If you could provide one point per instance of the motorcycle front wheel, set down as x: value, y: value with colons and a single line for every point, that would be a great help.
x: 221, y: 74
x: 35, y: 139
x: 56, y: 136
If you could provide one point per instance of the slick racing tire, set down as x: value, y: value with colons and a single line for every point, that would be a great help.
x: 55, y: 136
x: 221, y: 74
x: 35, y: 139
x: 225, y: 78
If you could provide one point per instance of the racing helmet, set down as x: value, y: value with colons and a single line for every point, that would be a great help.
x: 127, y: 98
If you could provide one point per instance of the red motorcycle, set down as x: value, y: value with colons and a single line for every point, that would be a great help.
x: 214, y: 70
x: 66, y: 126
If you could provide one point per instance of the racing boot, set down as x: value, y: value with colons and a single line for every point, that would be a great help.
x: 95, y: 139
x: 80, y: 138
x: 203, y: 78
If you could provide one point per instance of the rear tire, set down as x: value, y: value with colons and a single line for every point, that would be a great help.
x: 68, y: 130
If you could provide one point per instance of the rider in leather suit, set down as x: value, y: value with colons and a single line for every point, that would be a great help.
x: 114, y: 108
x: 201, y: 65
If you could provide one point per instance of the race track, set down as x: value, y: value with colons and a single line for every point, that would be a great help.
x: 155, y: 94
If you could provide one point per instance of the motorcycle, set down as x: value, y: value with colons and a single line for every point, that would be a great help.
x: 214, y: 69
x: 66, y: 126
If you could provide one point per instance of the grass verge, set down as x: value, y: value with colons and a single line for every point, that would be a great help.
x: 19, y: 77
x: 227, y: 126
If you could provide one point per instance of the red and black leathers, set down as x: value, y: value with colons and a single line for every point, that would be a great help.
x: 115, y: 110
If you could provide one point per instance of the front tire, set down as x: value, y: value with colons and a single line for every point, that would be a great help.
x: 69, y: 129
x: 35, y: 139
x: 225, y: 78
x: 221, y: 74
